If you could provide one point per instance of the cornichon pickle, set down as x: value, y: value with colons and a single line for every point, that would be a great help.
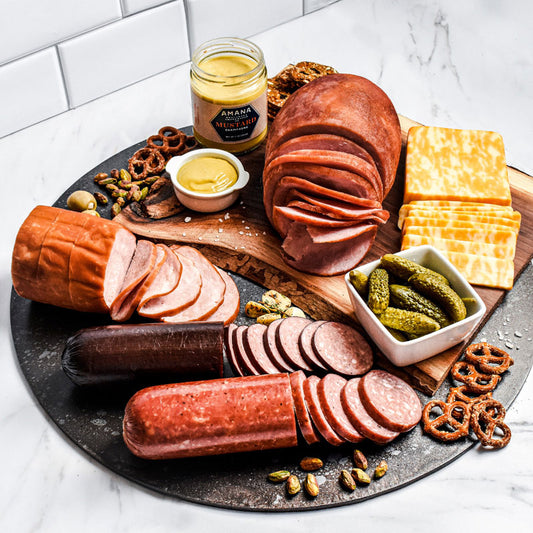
x: 408, y: 321
x: 404, y: 268
x: 441, y: 294
x: 359, y: 282
x: 378, y: 290
x: 406, y: 298
x: 398, y: 335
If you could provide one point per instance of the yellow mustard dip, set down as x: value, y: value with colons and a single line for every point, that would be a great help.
x: 207, y: 175
x: 227, y: 65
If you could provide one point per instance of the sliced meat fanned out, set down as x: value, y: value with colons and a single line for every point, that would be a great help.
x: 375, y: 215
x: 359, y: 417
x: 307, y: 429
x: 390, y: 401
x: 141, y: 266
x: 271, y: 348
x: 211, y: 292
x: 329, y: 394
x: 287, y: 336
x: 185, y: 294
x: 229, y: 309
x: 317, y: 415
x: 306, y: 347
x: 321, y: 141
x: 325, y: 258
x: 167, y: 277
x: 342, y: 349
x: 254, y: 345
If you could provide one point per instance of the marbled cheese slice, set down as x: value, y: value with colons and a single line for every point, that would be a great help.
x: 441, y: 222
x: 459, y: 165
x: 500, y: 251
x: 504, y: 237
x: 481, y: 270
x: 471, y: 209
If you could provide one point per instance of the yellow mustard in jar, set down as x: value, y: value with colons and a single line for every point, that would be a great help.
x: 207, y: 175
x: 228, y: 90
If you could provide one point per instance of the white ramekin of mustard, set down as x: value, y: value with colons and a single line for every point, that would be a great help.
x: 229, y: 95
x: 207, y: 179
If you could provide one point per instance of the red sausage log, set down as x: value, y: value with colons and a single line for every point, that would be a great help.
x: 211, y: 417
x: 153, y: 353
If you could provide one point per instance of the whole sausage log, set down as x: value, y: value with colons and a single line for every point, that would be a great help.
x: 211, y: 417
x: 153, y: 353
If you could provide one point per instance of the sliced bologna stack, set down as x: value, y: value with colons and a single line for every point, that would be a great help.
x: 294, y: 343
x: 257, y: 413
x: 90, y: 264
x: 331, y: 158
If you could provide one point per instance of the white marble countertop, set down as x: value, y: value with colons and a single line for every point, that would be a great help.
x: 458, y: 64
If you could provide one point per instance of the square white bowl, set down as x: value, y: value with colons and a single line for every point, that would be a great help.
x: 413, y: 351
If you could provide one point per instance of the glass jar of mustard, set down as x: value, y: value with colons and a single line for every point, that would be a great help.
x: 229, y: 100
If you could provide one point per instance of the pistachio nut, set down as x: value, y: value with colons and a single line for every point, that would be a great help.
x: 360, y: 476
x: 359, y: 460
x: 381, y: 469
x: 100, y: 176
x: 293, y: 485
x: 268, y: 319
x: 100, y: 198
x: 347, y: 481
x: 311, y: 485
x: 115, y: 209
x: 279, y: 476
x: 144, y: 193
x: 124, y: 175
x: 294, y: 311
x: 310, y: 464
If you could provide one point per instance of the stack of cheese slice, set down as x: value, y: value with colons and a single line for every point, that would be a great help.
x: 457, y: 198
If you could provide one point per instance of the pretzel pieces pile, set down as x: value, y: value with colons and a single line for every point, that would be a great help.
x: 152, y: 158
x: 289, y: 80
x: 471, y: 407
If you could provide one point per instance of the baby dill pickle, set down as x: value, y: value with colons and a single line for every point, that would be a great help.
x: 378, y: 290
x: 410, y: 322
x: 404, y: 268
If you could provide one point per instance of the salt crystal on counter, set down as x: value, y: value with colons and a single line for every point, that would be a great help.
x: 187, y: 219
x: 220, y: 230
x: 226, y: 216
x: 518, y: 334
x: 509, y: 345
x: 241, y: 232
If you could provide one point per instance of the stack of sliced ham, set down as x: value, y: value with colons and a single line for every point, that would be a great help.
x: 331, y: 158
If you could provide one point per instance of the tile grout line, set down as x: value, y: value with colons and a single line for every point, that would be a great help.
x: 63, y: 77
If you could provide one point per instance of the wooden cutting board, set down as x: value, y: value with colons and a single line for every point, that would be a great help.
x: 242, y: 240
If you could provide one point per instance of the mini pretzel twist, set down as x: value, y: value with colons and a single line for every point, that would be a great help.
x: 169, y: 141
x: 475, y: 381
x: 487, y: 416
x: 488, y: 359
x: 146, y: 162
x: 461, y: 394
x: 452, y: 424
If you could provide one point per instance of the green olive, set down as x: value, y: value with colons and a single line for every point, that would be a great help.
x: 81, y: 201
x: 91, y: 212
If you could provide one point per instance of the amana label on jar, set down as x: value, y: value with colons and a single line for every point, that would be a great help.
x: 229, y: 124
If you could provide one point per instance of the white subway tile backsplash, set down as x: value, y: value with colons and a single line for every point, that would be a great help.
x: 134, y: 6
x: 124, y: 52
x: 210, y: 19
x: 30, y: 25
x: 313, y: 5
x: 31, y: 90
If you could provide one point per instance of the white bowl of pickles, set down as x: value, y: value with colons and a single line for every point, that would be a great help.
x: 413, y: 313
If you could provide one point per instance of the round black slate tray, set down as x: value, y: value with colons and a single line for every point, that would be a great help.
x: 92, y: 420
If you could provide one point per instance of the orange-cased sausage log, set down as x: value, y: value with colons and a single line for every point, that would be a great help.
x: 213, y: 417
x: 70, y: 259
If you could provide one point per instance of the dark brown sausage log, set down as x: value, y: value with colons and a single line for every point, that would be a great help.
x: 149, y: 353
x: 211, y: 417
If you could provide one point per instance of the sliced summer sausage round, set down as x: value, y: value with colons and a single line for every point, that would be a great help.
x: 329, y: 394
x: 254, y: 345
x: 390, y: 400
x: 306, y: 347
x: 317, y: 415
x: 342, y: 349
x: 272, y: 348
x: 287, y: 336
x: 359, y: 417
x: 230, y: 350
x: 300, y: 408
x: 243, y: 361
